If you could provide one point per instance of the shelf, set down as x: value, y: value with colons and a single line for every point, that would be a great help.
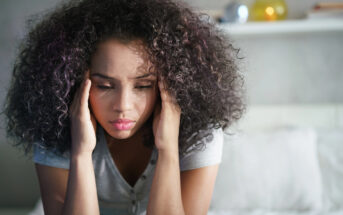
x: 282, y: 27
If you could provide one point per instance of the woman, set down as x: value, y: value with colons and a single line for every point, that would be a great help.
x: 124, y: 103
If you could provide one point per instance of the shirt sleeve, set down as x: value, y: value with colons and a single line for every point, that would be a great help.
x: 44, y: 156
x: 211, y: 154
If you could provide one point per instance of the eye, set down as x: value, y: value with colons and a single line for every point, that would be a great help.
x: 144, y: 87
x: 103, y: 87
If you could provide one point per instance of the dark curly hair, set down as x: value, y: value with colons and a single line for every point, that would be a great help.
x: 194, y: 57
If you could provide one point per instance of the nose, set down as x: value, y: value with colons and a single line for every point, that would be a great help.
x: 123, y: 101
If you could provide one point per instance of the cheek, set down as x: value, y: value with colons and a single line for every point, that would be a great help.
x: 95, y: 103
x: 146, y: 103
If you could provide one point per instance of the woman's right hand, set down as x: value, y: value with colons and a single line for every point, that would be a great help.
x: 83, y: 123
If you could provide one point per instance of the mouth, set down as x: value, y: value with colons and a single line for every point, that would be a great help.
x: 122, y: 124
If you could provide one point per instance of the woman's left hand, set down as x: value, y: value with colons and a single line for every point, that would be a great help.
x: 166, y: 122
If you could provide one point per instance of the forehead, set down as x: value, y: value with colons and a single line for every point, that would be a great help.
x: 113, y: 57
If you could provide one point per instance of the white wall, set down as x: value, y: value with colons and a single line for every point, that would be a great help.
x: 302, y: 68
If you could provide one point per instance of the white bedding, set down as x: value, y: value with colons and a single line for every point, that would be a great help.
x: 325, y: 120
x: 275, y: 169
x: 266, y: 212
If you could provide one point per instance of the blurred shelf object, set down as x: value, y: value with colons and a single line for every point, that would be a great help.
x: 283, y: 27
x: 328, y: 5
x: 324, y: 10
x: 268, y: 10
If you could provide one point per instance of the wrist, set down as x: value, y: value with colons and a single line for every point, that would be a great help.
x: 76, y: 155
x: 169, y: 151
x: 168, y: 159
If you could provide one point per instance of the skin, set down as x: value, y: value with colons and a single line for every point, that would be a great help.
x: 122, y: 88
x: 73, y: 191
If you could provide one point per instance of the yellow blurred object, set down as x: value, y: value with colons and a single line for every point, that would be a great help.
x: 268, y: 10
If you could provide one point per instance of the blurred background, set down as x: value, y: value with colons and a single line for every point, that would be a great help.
x: 292, y: 61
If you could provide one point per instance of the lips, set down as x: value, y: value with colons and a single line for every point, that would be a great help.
x: 122, y: 124
x: 121, y: 121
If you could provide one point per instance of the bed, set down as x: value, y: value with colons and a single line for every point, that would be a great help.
x: 283, y: 159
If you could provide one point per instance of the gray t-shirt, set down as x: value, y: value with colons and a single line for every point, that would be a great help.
x: 115, y: 195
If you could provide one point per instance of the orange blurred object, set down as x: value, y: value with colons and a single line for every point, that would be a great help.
x: 328, y: 5
x: 268, y: 10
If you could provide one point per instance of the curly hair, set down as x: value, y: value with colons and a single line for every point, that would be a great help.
x: 194, y: 57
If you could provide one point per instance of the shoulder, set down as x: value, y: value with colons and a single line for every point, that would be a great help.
x: 208, y: 155
x: 50, y: 157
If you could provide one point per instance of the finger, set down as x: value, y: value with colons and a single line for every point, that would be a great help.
x: 166, y: 98
x: 76, y: 103
x: 81, y: 89
x: 87, y: 75
x: 157, y: 109
x: 157, y: 113
x: 163, y: 92
x: 93, y: 121
x: 85, y: 95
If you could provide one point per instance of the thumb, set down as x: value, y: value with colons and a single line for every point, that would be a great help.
x: 157, y: 110
x: 93, y: 121
x: 85, y: 96
x: 157, y: 113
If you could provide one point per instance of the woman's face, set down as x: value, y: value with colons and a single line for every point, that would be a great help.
x: 123, y: 92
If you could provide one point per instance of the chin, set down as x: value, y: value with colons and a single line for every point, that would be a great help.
x: 120, y: 134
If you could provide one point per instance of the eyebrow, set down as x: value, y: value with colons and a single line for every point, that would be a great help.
x: 110, y: 78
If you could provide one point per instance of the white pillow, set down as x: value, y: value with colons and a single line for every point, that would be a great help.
x: 276, y: 169
x: 330, y: 149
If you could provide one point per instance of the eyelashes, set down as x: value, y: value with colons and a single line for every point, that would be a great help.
x: 138, y: 86
x: 103, y: 87
x: 141, y: 87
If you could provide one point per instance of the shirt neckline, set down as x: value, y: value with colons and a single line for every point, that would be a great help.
x: 116, y: 170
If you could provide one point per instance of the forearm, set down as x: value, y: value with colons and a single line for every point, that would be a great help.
x: 81, y: 196
x: 165, y: 194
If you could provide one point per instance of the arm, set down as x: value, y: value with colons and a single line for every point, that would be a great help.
x: 172, y: 192
x: 53, y: 186
x: 81, y: 196
x: 165, y: 193
x: 78, y: 194
x: 68, y: 191
x: 175, y: 193
x: 194, y: 184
